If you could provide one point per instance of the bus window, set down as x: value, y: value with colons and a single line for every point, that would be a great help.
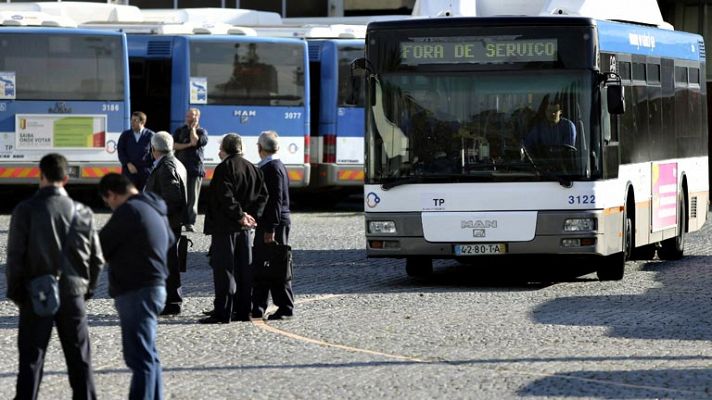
x: 250, y: 73
x: 351, y: 89
x: 58, y: 67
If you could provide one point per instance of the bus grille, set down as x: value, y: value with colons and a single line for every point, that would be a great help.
x: 159, y: 48
x: 701, y: 45
x: 693, y: 207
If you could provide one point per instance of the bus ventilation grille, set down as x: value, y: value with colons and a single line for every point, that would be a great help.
x: 314, y: 51
x: 159, y: 48
x: 701, y: 45
x: 693, y: 207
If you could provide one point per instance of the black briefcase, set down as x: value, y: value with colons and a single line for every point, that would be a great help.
x: 274, y: 264
x: 183, y: 244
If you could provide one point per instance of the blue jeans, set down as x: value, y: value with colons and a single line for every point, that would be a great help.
x: 138, y: 315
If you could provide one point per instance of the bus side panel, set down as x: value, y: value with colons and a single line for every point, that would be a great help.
x: 180, y: 88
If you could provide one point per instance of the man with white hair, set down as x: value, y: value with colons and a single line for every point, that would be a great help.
x: 168, y: 180
x: 273, y: 226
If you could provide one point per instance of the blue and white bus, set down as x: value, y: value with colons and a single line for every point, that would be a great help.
x: 451, y: 171
x: 242, y: 84
x: 61, y: 90
x: 337, y: 112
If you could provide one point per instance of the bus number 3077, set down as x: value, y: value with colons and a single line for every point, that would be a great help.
x: 292, y: 115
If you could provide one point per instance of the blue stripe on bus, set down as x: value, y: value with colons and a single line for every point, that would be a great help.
x: 114, y: 110
x: 251, y: 120
x: 615, y: 37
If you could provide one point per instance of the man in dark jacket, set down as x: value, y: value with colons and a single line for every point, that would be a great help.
x: 168, y: 180
x: 237, y: 195
x: 135, y: 242
x: 134, y: 148
x: 189, y: 141
x: 38, y: 229
x: 273, y: 226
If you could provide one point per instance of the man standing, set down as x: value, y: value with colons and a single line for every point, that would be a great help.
x: 168, y: 180
x: 39, y: 228
x: 273, y: 226
x: 134, y: 150
x: 135, y: 242
x: 237, y: 195
x: 189, y: 142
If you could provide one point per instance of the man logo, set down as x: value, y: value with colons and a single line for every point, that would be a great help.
x: 478, y: 224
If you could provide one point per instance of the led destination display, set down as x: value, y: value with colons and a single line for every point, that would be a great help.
x: 481, y: 50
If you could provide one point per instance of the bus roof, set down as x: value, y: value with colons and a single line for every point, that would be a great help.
x: 34, y: 18
x: 646, y: 12
x: 313, y: 31
x: 79, y: 12
x: 202, y: 16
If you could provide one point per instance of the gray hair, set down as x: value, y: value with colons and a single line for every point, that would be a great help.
x: 162, y: 142
x: 269, y: 141
x: 231, y: 143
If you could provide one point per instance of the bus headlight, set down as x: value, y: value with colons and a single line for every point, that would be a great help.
x: 381, y: 227
x: 579, y: 224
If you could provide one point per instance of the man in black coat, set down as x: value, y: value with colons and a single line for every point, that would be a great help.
x: 273, y: 226
x: 236, y: 197
x: 168, y: 180
x: 38, y: 228
x: 134, y: 149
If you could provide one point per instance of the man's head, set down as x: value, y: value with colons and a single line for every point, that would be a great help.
x: 138, y: 120
x: 230, y: 145
x: 553, y: 113
x: 161, y: 144
x: 192, y: 117
x: 115, y: 189
x: 268, y: 142
x: 53, y: 170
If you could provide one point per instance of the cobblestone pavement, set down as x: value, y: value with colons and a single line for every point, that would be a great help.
x: 364, y: 330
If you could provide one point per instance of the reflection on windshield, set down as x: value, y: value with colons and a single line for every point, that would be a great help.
x: 503, y: 124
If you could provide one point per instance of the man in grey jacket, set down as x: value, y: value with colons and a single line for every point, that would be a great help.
x: 168, y: 180
x: 38, y: 228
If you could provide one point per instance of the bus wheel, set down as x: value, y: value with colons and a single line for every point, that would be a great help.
x: 419, y: 267
x: 613, y: 266
x: 674, y: 248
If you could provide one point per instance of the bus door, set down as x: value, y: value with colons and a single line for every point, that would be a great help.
x: 150, y: 69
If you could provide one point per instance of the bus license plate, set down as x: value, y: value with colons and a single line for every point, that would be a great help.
x: 480, y: 249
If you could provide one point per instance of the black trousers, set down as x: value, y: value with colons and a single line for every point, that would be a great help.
x: 230, y: 258
x: 174, y: 294
x: 282, y: 294
x: 33, y: 336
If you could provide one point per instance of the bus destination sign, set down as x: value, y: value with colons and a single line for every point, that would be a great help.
x: 477, y: 50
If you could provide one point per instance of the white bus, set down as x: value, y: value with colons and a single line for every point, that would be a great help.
x: 454, y: 168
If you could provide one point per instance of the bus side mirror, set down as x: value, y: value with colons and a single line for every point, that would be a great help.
x: 360, y: 70
x: 615, y: 98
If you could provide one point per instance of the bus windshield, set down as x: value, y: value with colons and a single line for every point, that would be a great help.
x: 260, y: 74
x: 480, y: 126
x: 54, y: 66
x: 351, y: 91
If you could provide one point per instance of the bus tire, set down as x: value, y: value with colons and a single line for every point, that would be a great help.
x: 419, y: 267
x: 613, y: 266
x: 674, y: 248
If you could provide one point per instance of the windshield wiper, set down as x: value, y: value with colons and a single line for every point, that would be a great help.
x: 447, y: 178
x: 563, y: 181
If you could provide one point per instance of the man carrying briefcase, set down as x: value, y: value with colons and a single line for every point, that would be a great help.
x: 273, y: 227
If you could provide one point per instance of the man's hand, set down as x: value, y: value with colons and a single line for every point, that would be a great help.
x: 269, y: 237
x: 132, y: 168
x: 193, y: 136
x: 248, y: 221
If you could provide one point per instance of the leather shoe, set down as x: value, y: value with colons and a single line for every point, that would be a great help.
x: 170, y: 309
x: 209, y: 312
x: 258, y: 314
x: 279, y: 316
x: 189, y: 228
x: 212, y: 320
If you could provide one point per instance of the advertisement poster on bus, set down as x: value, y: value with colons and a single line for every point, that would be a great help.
x: 49, y: 131
x: 7, y: 86
x: 198, y: 90
x: 664, y: 205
